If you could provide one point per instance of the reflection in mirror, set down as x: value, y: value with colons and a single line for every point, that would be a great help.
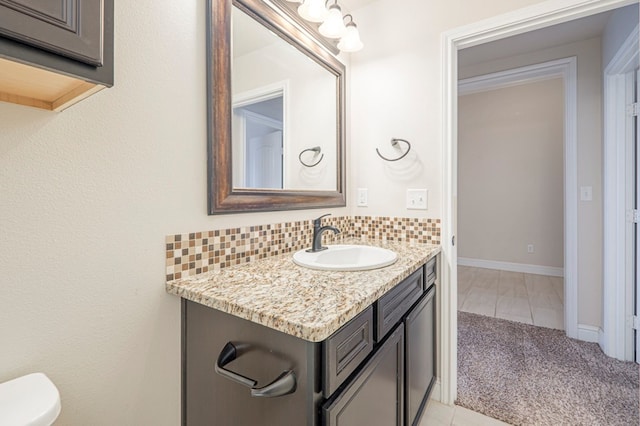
x: 276, y: 100
x: 258, y: 142
x: 282, y: 103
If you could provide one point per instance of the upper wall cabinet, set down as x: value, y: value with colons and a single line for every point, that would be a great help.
x: 55, y: 53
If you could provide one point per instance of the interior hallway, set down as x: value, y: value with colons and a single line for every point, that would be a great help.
x: 527, y: 298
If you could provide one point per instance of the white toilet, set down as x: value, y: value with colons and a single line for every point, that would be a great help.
x: 31, y: 400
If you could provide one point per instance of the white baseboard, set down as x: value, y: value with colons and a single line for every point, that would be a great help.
x: 589, y: 333
x: 512, y: 267
x: 601, y: 339
x: 436, y: 393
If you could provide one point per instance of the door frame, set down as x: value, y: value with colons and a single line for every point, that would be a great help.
x: 565, y: 68
x: 636, y: 255
x: 540, y: 15
x: 618, y: 265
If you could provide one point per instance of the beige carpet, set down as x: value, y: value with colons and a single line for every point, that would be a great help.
x: 526, y: 375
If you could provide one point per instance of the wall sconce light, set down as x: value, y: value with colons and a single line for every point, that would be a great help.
x: 332, y: 23
x: 350, y: 41
x: 313, y: 10
x: 333, y: 26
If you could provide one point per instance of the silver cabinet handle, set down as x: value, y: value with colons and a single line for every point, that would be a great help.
x: 284, y: 384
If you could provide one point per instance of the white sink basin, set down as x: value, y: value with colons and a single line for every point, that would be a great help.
x: 346, y: 258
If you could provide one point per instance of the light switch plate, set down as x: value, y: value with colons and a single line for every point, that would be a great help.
x: 362, y: 197
x: 417, y: 199
x: 586, y: 193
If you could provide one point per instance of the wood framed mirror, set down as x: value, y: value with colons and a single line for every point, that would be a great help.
x: 276, y: 113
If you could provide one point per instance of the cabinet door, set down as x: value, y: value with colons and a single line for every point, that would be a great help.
x: 374, y: 397
x: 345, y: 350
x: 72, y: 28
x: 420, y: 355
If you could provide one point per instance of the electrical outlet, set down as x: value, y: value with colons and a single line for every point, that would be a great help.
x: 530, y: 248
x: 363, y: 197
x: 586, y: 193
x: 417, y: 199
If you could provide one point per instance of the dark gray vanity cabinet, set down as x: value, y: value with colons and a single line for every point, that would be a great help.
x: 376, y: 370
x: 55, y: 53
x: 375, y: 395
x: 392, y: 387
x: 412, y: 302
x: 420, y: 355
x: 263, y: 355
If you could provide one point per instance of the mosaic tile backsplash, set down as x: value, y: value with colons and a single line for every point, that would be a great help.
x: 198, y: 252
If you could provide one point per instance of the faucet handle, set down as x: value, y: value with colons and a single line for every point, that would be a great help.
x: 318, y: 221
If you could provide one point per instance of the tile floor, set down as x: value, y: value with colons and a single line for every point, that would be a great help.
x: 437, y: 414
x: 528, y: 298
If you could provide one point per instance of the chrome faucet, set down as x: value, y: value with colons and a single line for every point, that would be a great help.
x: 317, y: 234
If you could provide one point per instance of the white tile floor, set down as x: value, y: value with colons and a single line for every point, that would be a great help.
x: 528, y: 298
x: 437, y: 414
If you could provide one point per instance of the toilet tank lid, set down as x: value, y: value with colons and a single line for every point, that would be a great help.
x: 31, y: 400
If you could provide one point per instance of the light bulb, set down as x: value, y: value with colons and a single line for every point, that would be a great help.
x: 333, y: 26
x: 313, y: 10
x: 350, y: 41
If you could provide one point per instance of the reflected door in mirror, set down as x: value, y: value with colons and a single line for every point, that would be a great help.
x: 276, y: 81
x: 258, y: 150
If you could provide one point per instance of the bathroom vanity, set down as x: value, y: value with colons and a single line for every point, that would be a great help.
x: 275, y: 343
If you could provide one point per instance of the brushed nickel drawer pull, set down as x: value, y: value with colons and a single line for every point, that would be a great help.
x: 284, y: 384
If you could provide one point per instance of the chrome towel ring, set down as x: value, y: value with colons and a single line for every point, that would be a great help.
x: 317, y: 151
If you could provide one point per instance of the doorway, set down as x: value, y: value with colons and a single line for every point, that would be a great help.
x: 258, y: 129
x: 539, y: 16
x: 516, y: 149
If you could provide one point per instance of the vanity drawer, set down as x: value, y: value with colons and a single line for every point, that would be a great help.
x: 391, y: 307
x: 345, y: 350
x: 430, y: 272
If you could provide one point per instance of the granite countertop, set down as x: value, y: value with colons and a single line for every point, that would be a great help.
x: 302, y: 302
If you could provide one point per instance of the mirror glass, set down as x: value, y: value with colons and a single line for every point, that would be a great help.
x: 283, y: 126
x: 275, y: 112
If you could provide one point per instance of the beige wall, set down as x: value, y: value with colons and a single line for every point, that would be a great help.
x: 588, y: 53
x: 87, y: 196
x: 510, y: 174
x: 396, y: 92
